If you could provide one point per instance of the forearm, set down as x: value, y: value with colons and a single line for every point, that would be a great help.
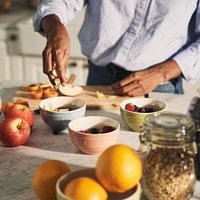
x: 167, y: 70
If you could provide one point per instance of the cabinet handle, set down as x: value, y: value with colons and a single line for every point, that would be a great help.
x: 73, y: 64
x: 13, y: 37
x: 85, y: 66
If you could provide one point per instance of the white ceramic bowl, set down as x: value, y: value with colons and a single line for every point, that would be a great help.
x: 93, y: 143
x: 58, y: 121
x: 135, y: 120
x: 132, y: 194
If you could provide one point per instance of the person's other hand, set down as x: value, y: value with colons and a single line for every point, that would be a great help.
x: 137, y: 84
x: 142, y: 82
x: 57, y: 51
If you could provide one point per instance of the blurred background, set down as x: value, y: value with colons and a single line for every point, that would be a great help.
x: 21, y: 47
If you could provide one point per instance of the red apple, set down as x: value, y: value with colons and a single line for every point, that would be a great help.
x: 14, y: 131
x: 21, y: 111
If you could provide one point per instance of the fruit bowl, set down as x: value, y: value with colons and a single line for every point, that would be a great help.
x: 93, y: 143
x: 57, y: 112
x: 132, y: 194
x: 135, y: 119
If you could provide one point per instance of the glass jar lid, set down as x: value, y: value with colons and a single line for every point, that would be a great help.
x: 170, y: 127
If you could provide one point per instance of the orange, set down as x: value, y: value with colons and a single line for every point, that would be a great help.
x: 119, y: 168
x: 45, y: 178
x: 85, y: 188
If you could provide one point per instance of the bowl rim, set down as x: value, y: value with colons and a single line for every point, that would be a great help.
x: 140, y: 113
x: 61, y: 97
x: 58, y: 190
x: 88, y: 169
x: 91, y: 116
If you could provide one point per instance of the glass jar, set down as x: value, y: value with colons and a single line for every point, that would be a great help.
x: 168, y: 151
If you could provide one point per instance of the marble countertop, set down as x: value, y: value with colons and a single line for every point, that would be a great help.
x: 18, y: 164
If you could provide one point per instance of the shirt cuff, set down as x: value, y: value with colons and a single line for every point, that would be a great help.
x: 44, y: 11
x: 189, y: 64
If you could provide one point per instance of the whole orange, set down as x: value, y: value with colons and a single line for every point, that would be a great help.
x: 85, y: 188
x: 45, y: 178
x: 119, y: 168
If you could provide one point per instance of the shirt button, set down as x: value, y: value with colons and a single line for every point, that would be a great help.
x: 141, y: 2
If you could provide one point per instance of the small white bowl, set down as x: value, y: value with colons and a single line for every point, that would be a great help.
x: 132, y: 194
x: 58, y: 121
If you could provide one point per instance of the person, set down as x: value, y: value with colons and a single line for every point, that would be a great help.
x: 134, y: 47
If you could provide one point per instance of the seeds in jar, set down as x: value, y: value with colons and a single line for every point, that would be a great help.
x: 168, y: 174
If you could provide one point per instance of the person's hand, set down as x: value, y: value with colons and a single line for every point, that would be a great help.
x: 137, y: 84
x: 142, y: 82
x: 57, y: 51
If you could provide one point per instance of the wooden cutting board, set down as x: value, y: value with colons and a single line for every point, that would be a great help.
x: 111, y: 102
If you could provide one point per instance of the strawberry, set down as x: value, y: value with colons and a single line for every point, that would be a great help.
x: 130, y: 107
x: 107, y: 129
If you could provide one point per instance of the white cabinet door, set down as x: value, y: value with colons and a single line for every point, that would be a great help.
x: 80, y: 69
x: 33, y: 71
x: 4, y: 60
x: 16, y: 68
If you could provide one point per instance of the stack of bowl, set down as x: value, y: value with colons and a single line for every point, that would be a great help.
x: 135, y: 120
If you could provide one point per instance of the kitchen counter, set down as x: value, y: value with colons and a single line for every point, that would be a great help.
x: 18, y: 164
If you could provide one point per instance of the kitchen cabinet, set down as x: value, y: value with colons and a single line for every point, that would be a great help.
x: 21, y: 48
x: 4, y: 69
x: 31, y: 45
x: 33, y: 70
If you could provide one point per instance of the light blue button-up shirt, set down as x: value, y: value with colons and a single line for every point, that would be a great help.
x: 134, y: 34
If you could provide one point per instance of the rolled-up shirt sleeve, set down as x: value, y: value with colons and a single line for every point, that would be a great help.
x: 64, y: 9
x: 189, y: 58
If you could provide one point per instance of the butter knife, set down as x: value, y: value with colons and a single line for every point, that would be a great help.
x: 195, y: 114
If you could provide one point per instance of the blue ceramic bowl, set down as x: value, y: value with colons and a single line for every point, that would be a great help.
x: 57, y: 112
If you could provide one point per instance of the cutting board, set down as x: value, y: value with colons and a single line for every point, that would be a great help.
x: 110, y: 102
